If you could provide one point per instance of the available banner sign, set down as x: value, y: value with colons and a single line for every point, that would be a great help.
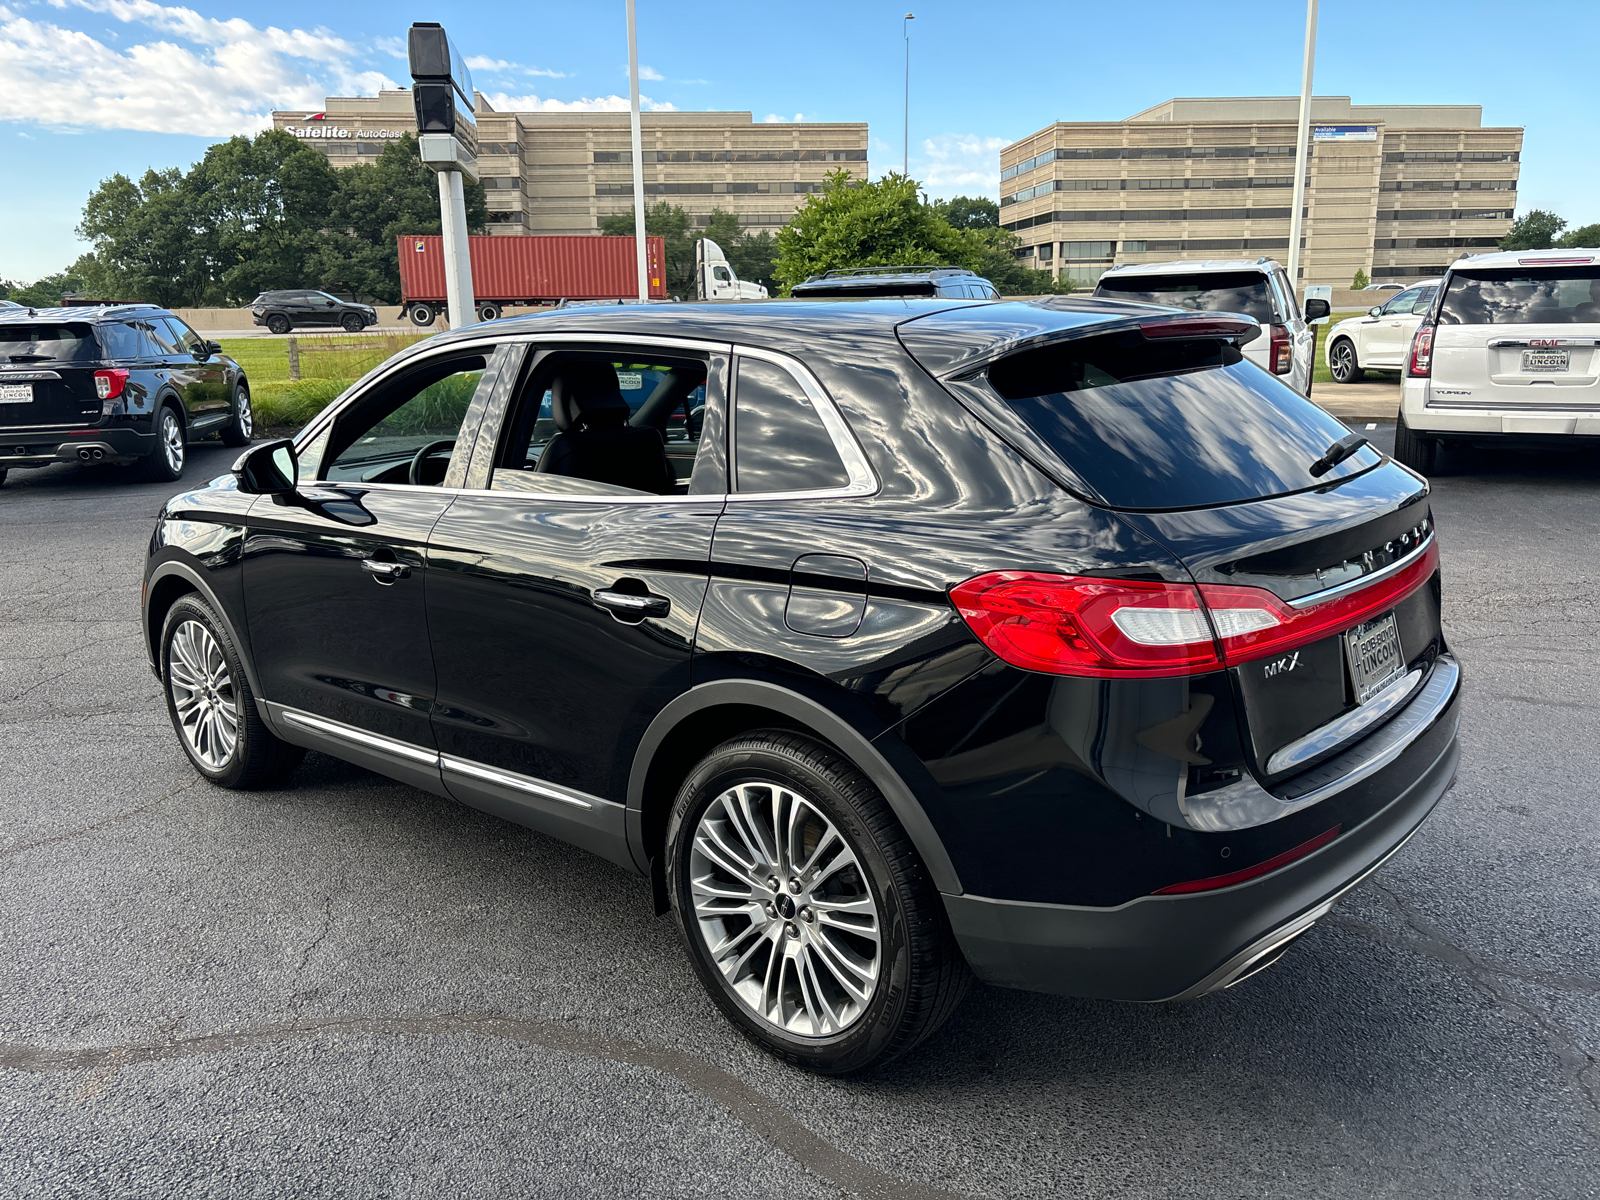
x: 1344, y: 133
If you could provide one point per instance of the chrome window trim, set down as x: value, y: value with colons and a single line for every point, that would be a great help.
x: 861, y: 480
x: 1355, y: 585
x: 1545, y: 343
x: 1346, y: 727
x: 521, y: 783
x: 358, y: 737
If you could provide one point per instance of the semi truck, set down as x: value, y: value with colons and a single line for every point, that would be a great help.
x: 715, y: 279
x: 527, y: 271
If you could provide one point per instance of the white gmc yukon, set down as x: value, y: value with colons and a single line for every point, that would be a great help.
x: 1509, y: 355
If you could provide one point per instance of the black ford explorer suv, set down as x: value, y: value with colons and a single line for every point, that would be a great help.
x: 125, y: 384
x: 895, y: 641
x: 283, y: 311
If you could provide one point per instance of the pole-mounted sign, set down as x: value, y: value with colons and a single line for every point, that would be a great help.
x: 447, y: 141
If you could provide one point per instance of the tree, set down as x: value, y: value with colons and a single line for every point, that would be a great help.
x: 1534, y: 230
x: 879, y: 223
x: 672, y: 225
x: 969, y: 212
x: 1360, y: 280
x: 1587, y: 236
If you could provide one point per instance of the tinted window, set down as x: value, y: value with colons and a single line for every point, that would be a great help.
x: 1423, y: 302
x: 118, y: 341
x: 780, y: 443
x: 1180, y: 425
x: 166, y: 342
x: 57, y: 342
x: 1402, y: 302
x: 186, y: 338
x: 1523, y: 296
x: 1213, y: 291
x: 376, y: 440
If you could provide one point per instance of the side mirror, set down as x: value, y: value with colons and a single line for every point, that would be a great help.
x: 269, y: 469
x: 1375, y: 311
x: 213, y: 347
x: 1317, y: 308
x: 329, y: 303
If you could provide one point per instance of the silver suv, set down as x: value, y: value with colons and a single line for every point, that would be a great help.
x: 1257, y: 288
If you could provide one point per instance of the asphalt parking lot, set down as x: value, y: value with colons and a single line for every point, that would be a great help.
x: 346, y: 987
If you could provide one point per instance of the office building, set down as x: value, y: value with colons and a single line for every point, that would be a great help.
x: 1396, y: 191
x: 565, y: 172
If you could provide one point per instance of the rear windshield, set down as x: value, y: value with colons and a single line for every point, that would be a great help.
x: 1211, y: 291
x: 55, y: 342
x: 1523, y: 296
x: 1186, y: 424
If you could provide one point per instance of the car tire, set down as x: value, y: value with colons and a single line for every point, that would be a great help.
x: 489, y: 312
x: 165, y: 463
x: 353, y: 322
x: 1419, y: 453
x: 820, y: 991
x: 422, y: 314
x: 3, y: 474
x: 278, y: 323
x: 210, y: 704
x: 241, y: 429
x: 1342, y: 362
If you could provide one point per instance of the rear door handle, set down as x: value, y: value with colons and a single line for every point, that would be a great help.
x: 385, y: 572
x: 629, y: 605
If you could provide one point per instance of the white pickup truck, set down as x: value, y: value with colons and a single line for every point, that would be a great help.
x: 715, y: 278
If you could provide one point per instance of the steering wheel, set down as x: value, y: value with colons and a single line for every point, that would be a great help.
x: 414, y: 474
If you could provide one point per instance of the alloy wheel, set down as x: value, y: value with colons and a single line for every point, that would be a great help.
x: 203, y: 694
x: 246, y: 418
x: 172, y: 440
x: 782, y: 906
x: 1344, y: 359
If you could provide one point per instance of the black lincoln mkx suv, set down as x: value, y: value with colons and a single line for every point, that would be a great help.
x: 895, y: 641
x: 128, y: 383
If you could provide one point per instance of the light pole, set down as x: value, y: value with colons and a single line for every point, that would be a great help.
x: 638, y: 157
x: 1302, y: 152
x: 905, y: 149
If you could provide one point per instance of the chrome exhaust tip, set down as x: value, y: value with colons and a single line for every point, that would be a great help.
x: 84, y: 455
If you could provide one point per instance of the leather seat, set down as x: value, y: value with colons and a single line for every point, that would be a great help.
x: 595, y: 440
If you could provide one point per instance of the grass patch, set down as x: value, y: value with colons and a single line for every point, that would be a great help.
x: 328, y: 365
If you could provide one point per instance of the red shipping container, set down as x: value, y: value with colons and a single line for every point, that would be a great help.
x: 539, y: 269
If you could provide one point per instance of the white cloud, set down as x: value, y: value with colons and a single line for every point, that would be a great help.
x: 206, y: 77
x: 650, y: 73
x: 503, y: 102
x: 775, y: 119
x: 959, y: 163
x: 499, y: 66
x: 394, y: 47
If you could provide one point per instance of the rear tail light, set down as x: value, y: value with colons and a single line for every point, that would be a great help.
x: 1282, y: 352
x: 108, y: 384
x: 1132, y: 629
x: 1421, y: 365
x: 1197, y: 326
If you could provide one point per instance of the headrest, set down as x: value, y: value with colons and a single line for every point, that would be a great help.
x: 581, y: 389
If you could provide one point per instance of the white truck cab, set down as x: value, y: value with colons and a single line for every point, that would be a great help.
x: 715, y: 278
x: 1257, y: 288
x: 1508, y: 355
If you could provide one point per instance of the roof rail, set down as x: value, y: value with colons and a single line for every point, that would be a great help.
x: 889, y: 270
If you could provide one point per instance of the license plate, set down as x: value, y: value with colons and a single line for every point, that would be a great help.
x: 1373, y: 651
x: 16, y: 393
x: 1545, y: 360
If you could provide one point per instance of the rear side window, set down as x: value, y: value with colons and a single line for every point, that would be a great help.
x: 1244, y: 292
x: 1523, y: 296
x: 1185, y: 424
x: 47, y: 341
x: 122, y: 341
x: 779, y: 442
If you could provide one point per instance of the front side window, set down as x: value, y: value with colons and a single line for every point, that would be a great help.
x: 779, y: 441
x: 1244, y: 292
x: 1554, y: 295
x: 721, y: 274
x: 405, y: 431
x: 601, y: 422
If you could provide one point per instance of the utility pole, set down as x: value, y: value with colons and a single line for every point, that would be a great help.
x: 1302, y: 150
x: 638, y: 156
x: 905, y: 149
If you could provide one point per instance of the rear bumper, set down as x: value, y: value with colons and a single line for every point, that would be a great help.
x: 43, y: 447
x: 1179, y: 947
x: 1438, y: 411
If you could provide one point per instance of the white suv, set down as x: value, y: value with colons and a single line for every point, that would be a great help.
x: 1380, y: 339
x: 1257, y: 288
x: 1509, y: 354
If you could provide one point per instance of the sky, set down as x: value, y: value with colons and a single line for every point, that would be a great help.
x: 94, y: 87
